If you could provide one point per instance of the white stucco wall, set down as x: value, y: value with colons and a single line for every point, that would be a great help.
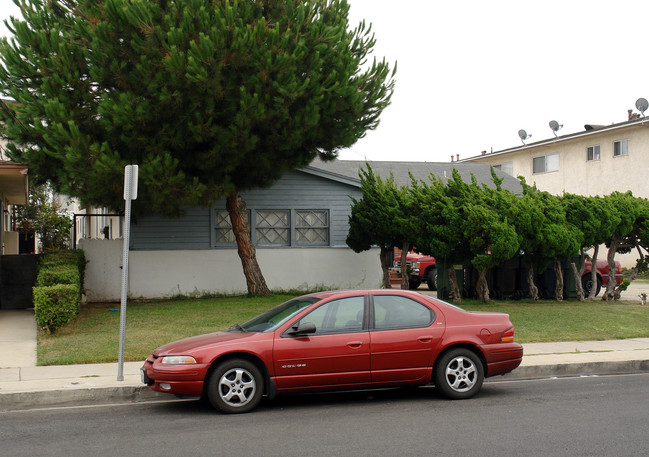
x: 162, y: 274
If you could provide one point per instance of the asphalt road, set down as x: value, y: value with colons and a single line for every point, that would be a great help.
x: 588, y: 416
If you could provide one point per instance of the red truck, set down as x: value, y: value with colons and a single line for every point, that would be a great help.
x: 602, y: 275
x: 421, y: 267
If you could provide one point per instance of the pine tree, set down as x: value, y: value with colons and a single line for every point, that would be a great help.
x: 209, y: 97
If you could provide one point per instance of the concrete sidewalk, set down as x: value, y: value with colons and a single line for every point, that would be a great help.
x: 23, y: 385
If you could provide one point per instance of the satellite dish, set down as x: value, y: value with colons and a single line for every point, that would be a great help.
x: 642, y: 104
x: 555, y: 126
x: 523, y: 135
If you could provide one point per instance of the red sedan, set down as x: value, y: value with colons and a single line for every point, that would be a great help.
x: 339, y: 340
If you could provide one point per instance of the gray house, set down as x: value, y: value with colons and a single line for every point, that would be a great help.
x: 299, y: 226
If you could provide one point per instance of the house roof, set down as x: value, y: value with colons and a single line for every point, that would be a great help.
x: 13, y: 182
x: 589, y: 130
x: 347, y: 171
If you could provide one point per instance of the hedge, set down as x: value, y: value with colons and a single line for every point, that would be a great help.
x: 74, y: 257
x: 58, y: 274
x: 57, y: 293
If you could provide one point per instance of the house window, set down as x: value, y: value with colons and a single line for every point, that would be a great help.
x: 269, y: 228
x: 545, y: 164
x: 506, y: 167
x: 312, y: 227
x: 272, y: 227
x: 223, y: 226
x: 592, y: 153
x: 620, y: 148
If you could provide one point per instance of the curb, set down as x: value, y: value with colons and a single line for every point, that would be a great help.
x: 21, y: 401
x: 578, y: 369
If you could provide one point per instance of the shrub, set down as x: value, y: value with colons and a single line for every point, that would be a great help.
x: 55, y: 306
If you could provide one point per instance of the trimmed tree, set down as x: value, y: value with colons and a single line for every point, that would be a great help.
x: 209, y: 97
x: 486, y: 227
x: 436, y: 231
x: 547, y: 238
x: 594, y: 218
x: 381, y: 218
x: 631, y: 233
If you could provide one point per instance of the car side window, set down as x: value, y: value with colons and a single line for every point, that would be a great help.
x: 394, y: 311
x: 338, y: 316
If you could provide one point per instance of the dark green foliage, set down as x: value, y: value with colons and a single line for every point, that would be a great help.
x: 207, y: 96
x: 60, y: 274
x: 370, y: 222
x: 438, y: 231
x: 55, y: 306
x: 59, y: 257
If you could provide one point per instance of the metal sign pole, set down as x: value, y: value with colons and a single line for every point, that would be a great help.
x: 130, y: 193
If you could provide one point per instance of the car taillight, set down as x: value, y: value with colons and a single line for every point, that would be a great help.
x: 619, y: 269
x: 507, y: 336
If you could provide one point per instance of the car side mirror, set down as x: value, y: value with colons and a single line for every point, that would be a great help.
x: 304, y: 328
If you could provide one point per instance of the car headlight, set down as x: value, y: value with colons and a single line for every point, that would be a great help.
x: 178, y: 360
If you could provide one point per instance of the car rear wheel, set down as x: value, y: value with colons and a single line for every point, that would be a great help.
x: 587, y: 283
x: 459, y: 374
x: 236, y: 386
x: 431, y: 280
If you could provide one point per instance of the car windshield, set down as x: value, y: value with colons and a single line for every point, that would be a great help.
x: 274, y: 318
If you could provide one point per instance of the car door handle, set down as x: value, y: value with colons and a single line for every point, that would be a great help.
x: 355, y: 344
x: 425, y: 339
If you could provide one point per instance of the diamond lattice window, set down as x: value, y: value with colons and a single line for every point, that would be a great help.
x: 273, y: 227
x: 312, y: 227
x: 223, y: 228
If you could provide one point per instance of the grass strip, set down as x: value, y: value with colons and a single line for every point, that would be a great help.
x: 94, y: 336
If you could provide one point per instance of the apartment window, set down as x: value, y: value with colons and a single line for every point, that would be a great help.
x: 312, y: 227
x: 592, y: 153
x: 273, y: 227
x: 506, y: 167
x: 545, y: 164
x: 620, y: 148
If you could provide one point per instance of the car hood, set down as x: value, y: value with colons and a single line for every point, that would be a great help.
x: 194, y: 343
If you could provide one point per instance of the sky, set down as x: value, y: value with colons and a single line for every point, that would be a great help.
x: 471, y: 73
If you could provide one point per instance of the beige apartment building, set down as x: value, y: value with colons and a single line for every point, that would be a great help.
x: 597, y: 161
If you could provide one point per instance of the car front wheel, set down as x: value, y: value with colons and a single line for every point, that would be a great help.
x: 236, y: 386
x: 459, y: 374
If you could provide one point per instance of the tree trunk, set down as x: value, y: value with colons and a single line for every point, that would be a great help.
x: 577, y: 273
x: 534, y: 291
x: 558, y: 290
x: 387, y: 257
x: 405, y: 274
x: 578, y: 287
x: 454, y: 294
x: 610, y: 257
x: 593, y: 273
x: 482, y: 288
x: 236, y: 207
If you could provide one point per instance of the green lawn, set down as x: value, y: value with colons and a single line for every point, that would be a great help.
x: 94, y: 336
